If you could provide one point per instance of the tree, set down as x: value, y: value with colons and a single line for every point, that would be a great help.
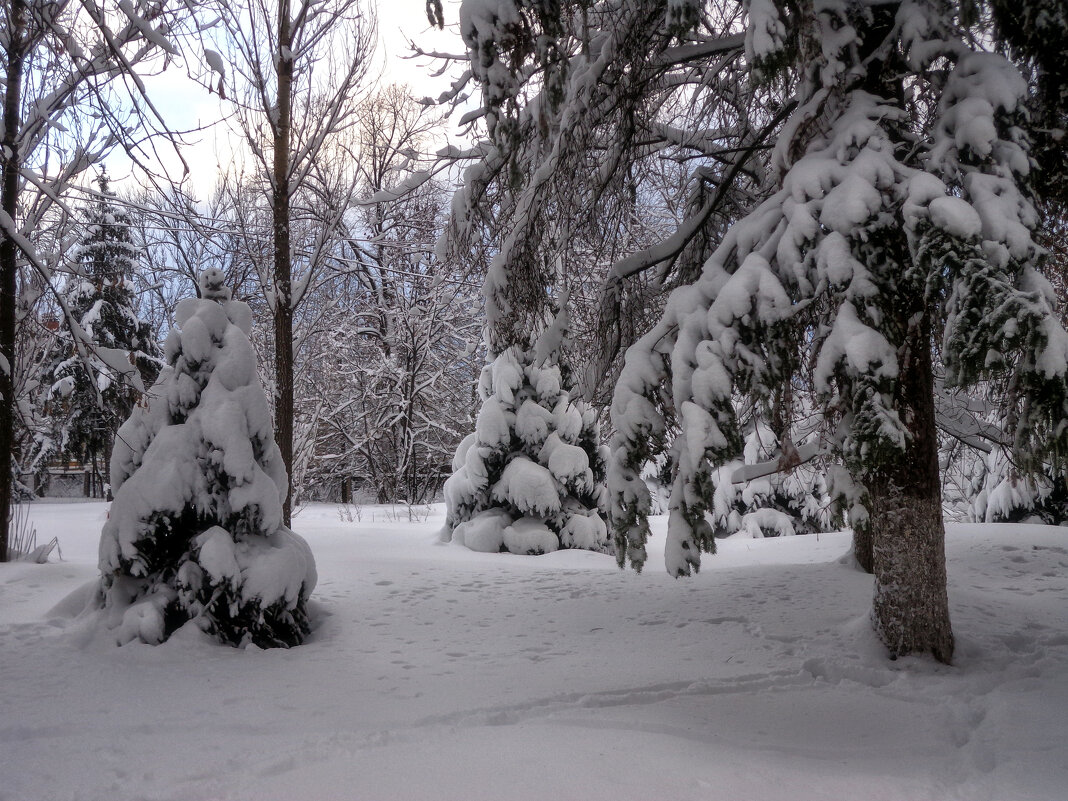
x: 403, y: 323
x: 1036, y: 34
x: 393, y: 402
x: 196, y: 532
x: 58, y: 59
x: 183, y: 235
x: 298, y: 67
x: 759, y: 495
x: 576, y: 100
x: 1007, y: 494
x: 580, y: 101
x: 87, y: 404
x: 530, y: 479
x: 902, y: 222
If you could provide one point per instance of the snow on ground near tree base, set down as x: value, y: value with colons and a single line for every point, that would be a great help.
x: 435, y: 672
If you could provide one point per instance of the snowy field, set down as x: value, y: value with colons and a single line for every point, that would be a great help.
x: 437, y: 673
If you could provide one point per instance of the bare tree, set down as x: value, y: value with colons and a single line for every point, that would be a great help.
x: 298, y: 66
x: 184, y: 235
x: 59, y: 60
x: 402, y: 324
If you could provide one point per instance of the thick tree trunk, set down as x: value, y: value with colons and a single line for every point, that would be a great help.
x: 904, y: 545
x: 911, y: 606
x: 283, y: 269
x: 9, y: 195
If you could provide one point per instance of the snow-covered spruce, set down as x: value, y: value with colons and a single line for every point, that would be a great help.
x: 776, y: 503
x: 195, y: 532
x: 99, y: 370
x: 1009, y: 495
x: 885, y: 240
x: 530, y: 479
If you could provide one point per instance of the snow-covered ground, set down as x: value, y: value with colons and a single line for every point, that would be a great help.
x: 438, y: 673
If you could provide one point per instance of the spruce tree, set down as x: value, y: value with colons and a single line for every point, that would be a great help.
x: 777, y: 502
x: 901, y: 225
x: 1008, y: 494
x: 530, y: 479
x: 89, y: 398
x: 195, y: 532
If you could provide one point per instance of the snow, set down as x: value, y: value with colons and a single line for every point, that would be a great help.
x: 956, y: 217
x: 215, y: 62
x: 862, y: 348
x: 570, y: 465
x: 568, y: 420
x: 529, y: 487
x: 532, y: 422
x: 530, y: 535
x: 153, y: 35
x: 492, y: 426
x: 755, y: 523
x: 436, y: 672
x: 584, y: 529
x: 765, y: 34
x: 850, y: 204
x: 484, y: 532
x: 403, y: 189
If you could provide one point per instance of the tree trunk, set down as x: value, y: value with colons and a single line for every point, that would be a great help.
x: 283, y: 310
x: 911, y: 606
x: 862, y: 547
x: 904, y: 544
x: 9, y: 194
x: 109, y: 445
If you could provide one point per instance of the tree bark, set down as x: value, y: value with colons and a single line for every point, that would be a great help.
x: 283, y: 268
x: 862, y: 547
x: 9, y: 194
x: 910, y: 611
x: 109, y: 445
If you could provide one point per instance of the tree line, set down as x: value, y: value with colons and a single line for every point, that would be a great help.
x: 328, y: 274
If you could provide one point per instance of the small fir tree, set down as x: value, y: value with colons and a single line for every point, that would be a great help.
x: 92, y: 393
x: 530, y: 479
x: 1011, y: 495
x: 195, y: 532
x: 780, y: 502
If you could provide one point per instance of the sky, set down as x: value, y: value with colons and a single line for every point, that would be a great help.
x: 185, y: 104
